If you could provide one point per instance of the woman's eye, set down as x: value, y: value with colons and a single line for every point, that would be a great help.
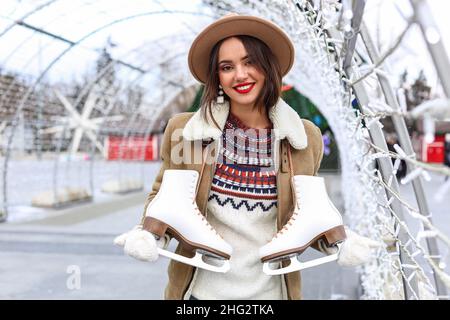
x: 249, y: 62
x: 226, y: 68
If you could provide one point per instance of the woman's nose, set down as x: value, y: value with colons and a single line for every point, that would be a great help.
x: 241, y: 72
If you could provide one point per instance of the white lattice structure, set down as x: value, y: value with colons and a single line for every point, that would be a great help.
x: 321, y: 31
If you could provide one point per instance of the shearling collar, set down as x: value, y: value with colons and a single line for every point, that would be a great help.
x: 286, y: 124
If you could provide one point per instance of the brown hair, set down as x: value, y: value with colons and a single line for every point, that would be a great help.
x: 263, y: 59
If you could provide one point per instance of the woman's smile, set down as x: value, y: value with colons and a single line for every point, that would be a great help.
x: 244, y: 88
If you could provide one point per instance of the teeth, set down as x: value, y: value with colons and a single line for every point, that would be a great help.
x: 244, y: 87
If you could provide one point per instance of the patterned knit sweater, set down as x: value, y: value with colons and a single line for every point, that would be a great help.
x: 242, y: 207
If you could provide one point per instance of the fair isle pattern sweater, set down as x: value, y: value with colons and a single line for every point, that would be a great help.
x: 242, y: 207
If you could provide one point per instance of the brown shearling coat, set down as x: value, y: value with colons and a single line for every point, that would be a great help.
x: 302, y: 137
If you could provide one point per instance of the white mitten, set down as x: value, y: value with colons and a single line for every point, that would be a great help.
x: 141, y: 244
x: 120, y: 240
x: 355, y: 251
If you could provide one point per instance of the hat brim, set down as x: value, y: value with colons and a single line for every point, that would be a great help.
x: 273, y: 36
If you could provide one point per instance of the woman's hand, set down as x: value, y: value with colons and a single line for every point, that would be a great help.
x: 356, y: 250
x: 141, y: 244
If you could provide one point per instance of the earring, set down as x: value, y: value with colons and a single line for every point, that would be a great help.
x: 220, y: 98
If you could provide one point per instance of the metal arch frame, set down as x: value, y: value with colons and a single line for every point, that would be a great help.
x: 424, y: 18
x: 130, y: 123
x: 405, y: 141
x: 30, y: 60
x: 76, y: 43
x: 33, y: 57
x: 20, y: 22
x: 151, y: 127
x: 376, y: 134
x: 378, y: 139
x: 5, y: 61
x: 3, y: 99
x: 46, y: 4
x: 14, y: 82
x: 89, y: 86
x: 47, y: 69
x: 129, y: 126
x: 343, y: 72
x: 86, y: 90
x: 131, y: 120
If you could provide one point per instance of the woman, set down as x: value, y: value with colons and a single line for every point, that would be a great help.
x: 249, y: 75
x: 258, y: 142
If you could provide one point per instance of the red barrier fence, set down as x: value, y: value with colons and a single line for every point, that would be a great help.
x: 132, y: 148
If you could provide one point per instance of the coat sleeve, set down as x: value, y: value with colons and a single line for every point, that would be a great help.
x: 318, y: 153
x: 165, y: 157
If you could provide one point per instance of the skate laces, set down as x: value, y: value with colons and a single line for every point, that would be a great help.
x: 204, y: 219
x: 292, y: 218
x: 197, y: 210
x: 287, y: 225
x: 294, y: 188
x: 194, y: 190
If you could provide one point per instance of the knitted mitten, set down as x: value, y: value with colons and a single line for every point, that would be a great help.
x: 356, y: 250
x: 141, y: 244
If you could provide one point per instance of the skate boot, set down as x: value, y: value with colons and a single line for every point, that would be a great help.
x: 314, y: 217
x: 173, y: 211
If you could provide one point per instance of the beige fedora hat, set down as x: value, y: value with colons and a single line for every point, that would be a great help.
x: 232, y: 25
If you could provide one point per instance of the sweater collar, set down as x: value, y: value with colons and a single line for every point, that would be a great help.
x: 237, y: 123
x: 286, y: 124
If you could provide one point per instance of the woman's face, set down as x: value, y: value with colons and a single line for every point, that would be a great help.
x: 240, y: 79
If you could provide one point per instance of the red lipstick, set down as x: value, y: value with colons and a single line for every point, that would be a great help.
x: 245, y: 87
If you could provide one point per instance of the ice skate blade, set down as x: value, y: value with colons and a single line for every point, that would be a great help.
x: 296, y: 265
x: 195, y: 261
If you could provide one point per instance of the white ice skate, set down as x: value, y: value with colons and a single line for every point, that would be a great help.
x: 174, y: 211
x: 314, y: 217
